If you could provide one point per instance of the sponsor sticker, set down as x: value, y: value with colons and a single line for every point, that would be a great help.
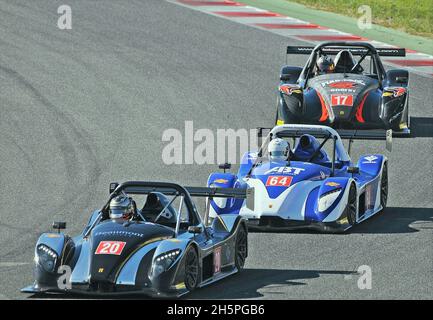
x: 221, y: 181
x: 369, y: 197
x: 279, y: 181
x: 285, y: 170
x: 120, y: 233
x: 332, y: 184
x: 53, y: 235
x: 174, y: 240
x: 342, y: 100
x: 217, y: 260
x: 394, y: 91
x: 336, y: 83
x: 322, y: 175
x: 180, y: 285
x: 290, y: 88
x: 110, y: 247
x: 370, y: 159
x: 343, y: 85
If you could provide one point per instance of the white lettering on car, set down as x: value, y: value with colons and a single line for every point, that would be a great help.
x: 370, y: 159
x: 285, y: 170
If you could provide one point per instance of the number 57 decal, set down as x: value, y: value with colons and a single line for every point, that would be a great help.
x: 110, y: 247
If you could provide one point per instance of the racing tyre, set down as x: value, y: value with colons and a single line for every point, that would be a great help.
x: 352, y: 206
x: 384, y: 186
x: 241, y: 249
x: 191, y: 269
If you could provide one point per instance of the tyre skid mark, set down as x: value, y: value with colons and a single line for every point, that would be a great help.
x: 61, y: 125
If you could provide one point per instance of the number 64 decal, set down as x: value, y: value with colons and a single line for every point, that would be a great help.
x: 279, y: 181
x: 110, y: 247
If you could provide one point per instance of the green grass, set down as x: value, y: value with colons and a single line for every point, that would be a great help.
x: 410, y: 16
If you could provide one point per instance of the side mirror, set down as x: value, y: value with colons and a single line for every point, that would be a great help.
x: 397, y: 77
x: 353, y: 170
x: 290, y: 74
x: 285, y: 77
x: 401, y: 80
x: 225, y: 166
x: 195, y: 229
x: 59, y: 225
x: 113, y: 186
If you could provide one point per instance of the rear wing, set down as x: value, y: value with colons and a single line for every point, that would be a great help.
x: 367, y: 135
x: 344, y: 134
x: 174, y: 189
x: 217, y: 192
x: 170, y: 190
x: 384, y: 52
x: 364, y: 134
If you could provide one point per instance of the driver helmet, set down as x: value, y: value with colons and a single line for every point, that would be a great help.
x: 121, y: 207
x: 325, y: 65
x: 278, y: 149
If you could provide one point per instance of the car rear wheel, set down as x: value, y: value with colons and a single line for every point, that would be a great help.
x: 241, y: 248
x: 352, y: 206
x: 191, y: 269
x: 384, y: 186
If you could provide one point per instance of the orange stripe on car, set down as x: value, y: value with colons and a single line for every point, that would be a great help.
x: 360, y: 108
x: 324, y: 108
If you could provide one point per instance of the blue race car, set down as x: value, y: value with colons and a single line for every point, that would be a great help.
x: 314, y: 185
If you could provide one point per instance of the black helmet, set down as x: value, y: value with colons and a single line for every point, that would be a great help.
x: 324, y: 65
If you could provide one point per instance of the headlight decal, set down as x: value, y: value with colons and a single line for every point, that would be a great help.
x: 46, y: 257
x: 328, y: 199
x: 164, y: 261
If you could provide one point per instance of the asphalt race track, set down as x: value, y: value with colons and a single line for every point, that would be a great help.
x: 80, y: 108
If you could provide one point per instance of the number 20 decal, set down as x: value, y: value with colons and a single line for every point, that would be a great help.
x: 110, y: 247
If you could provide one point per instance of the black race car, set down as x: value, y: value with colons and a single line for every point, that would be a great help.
x: 353, y: 94
x: 164, y: 249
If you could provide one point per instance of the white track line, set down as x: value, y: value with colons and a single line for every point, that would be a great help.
x: 298, y: 33
x: 12, y: 264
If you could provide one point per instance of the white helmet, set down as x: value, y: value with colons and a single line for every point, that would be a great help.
x: 278, y: 149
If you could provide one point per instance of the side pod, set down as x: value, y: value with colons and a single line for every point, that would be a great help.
x: 371, y: 164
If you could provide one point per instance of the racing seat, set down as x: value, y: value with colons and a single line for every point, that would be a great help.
x: 344, y: 62
x: 153, y: 206
x: 305, y: 148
